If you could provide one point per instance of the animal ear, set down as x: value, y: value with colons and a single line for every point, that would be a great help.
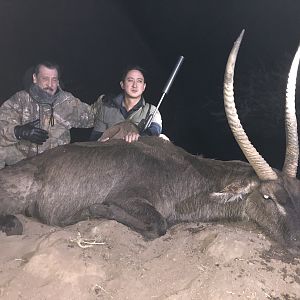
x: 221, y: 197
x: 232, y: 192
x: 119, y: 131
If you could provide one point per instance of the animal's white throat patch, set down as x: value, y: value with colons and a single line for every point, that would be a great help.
x: 281, y: 209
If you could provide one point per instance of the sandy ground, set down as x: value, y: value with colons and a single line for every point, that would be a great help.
x: 192, y: 261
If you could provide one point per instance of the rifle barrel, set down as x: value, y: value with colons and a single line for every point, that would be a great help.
x: 173, y: 75
x: 165, y: 91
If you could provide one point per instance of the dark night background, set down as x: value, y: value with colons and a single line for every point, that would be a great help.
x: 93, y: 40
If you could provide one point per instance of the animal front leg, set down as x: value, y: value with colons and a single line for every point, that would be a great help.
x: 135, y: 213
x: 81, y: 215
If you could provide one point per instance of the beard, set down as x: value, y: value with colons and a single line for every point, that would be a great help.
x: 49, y: 90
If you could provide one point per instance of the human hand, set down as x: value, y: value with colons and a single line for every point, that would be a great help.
x: 131, y: 137
x: 31, y: 133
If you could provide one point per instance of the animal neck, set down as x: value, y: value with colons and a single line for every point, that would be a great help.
x: 204, y: 209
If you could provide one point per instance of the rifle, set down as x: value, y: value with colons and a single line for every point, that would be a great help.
x: 145, y: 123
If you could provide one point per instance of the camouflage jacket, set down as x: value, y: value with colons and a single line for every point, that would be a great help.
x: 108, y: 113
x: 21, y: 108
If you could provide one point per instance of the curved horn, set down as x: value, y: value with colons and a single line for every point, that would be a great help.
x: 292, y: 147
x: 260, y: 166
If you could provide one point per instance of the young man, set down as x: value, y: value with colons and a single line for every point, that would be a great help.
x: 39, y: 119
x: 130, y: 105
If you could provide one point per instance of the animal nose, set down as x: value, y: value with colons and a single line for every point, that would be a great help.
x: 295, y: 244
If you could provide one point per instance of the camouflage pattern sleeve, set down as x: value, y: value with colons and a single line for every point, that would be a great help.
x: 99, y: 115
x: 82, y: 115
x: 10, y: 116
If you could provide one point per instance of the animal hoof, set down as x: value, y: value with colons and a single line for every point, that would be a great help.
x: 155, y: 230
x: 11, y: 225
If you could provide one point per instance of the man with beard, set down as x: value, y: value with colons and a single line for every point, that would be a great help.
x: 39, y: 119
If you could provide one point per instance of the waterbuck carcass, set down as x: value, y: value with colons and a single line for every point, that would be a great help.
x: 151, y: 184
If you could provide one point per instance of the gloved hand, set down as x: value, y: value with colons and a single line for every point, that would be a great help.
x: 31, y: 133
